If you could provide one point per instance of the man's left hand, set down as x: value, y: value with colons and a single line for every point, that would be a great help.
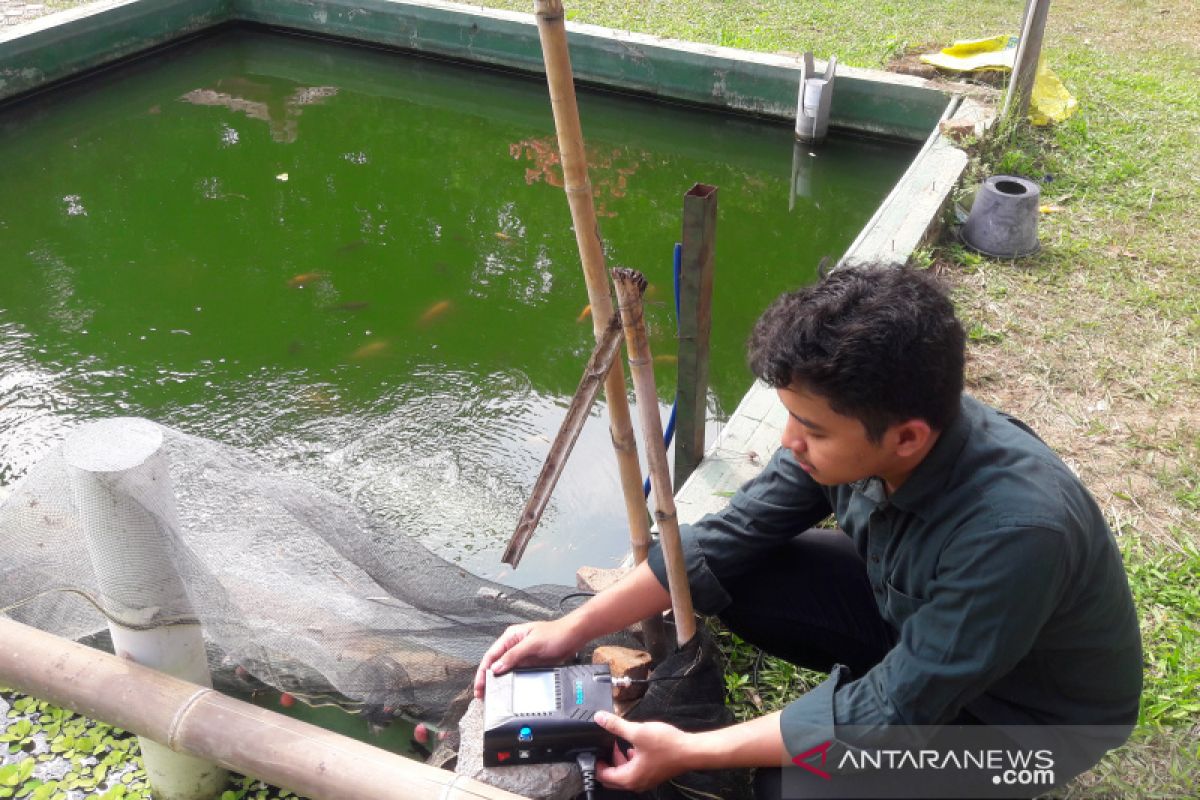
x: 659, y: 752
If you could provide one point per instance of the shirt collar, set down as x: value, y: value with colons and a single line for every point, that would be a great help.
x: 927, y: 481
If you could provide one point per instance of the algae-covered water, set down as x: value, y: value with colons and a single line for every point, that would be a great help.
x: 361, y: 266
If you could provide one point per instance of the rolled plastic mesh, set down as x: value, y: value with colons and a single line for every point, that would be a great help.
x: 289, y: 581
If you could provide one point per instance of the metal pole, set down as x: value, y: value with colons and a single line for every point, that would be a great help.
x: 695, y: 325
x: 1025, y: 65
x: 188, y: 718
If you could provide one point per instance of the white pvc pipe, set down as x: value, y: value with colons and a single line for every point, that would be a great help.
x: 126, y: 539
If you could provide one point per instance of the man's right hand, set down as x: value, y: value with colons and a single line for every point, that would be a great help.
x: 528, y: 644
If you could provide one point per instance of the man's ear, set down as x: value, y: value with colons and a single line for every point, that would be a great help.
x: 910, y: 437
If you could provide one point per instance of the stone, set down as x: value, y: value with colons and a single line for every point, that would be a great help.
x: 536, y: 781
x: 957, y: 129
x: 595, y: 579
x: 624, y: 662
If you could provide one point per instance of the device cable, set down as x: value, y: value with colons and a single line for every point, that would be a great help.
x: 586, y: 760
x: 624, y: 680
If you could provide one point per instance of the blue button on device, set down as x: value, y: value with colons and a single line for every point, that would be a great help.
x: 525, y: 735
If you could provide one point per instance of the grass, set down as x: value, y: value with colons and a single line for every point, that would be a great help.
x: 1094, y: 340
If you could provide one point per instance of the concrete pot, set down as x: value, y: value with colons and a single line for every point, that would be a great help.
x: 1004, y: 218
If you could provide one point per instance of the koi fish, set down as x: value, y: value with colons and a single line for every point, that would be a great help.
x: 305, y: 278
x: 370, y: 350
x: 666, y: 358
x: 350, y: 247
x: 435, y: 312
x: 587, y: 312
x: 353, y: 305
x: 502, y: 236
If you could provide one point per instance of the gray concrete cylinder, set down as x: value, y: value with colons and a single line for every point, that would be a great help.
x: 1004, y: 218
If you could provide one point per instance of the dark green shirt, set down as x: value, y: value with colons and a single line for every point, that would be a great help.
x: 992, y: 562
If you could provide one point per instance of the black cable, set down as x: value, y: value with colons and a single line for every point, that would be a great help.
x: 626, y: 680
x: 563, y: 600
x: 587, y: 765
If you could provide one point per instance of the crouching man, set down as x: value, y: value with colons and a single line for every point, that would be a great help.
x: 972, y: 584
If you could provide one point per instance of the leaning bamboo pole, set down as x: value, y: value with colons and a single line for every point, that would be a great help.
x: 189, y: 718
x: 630, y: 285
x: 553, y: 34
x: 598, y: 367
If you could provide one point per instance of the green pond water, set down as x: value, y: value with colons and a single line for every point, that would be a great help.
x: 360, y: 265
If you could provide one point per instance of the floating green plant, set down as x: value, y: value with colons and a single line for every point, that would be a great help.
x: 47, y: 752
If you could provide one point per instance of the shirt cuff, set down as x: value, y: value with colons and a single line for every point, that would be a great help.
x: 708, y: 595
x: 807, y: 723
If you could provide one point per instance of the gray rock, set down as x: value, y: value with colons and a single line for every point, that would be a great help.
x: 537, y: 781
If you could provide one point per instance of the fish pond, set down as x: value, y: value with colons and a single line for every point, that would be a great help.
x: 360, y: 265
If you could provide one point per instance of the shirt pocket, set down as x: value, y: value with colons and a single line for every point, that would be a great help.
x: 900, y: 606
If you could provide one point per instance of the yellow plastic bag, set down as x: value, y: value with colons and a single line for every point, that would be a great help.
x: 1050, y: 101
x: 974, y: 55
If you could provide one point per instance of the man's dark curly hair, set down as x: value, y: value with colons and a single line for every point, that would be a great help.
x: 879, y: 344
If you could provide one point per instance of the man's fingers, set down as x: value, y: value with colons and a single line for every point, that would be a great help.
x: 509, y: 639
x: 616, y: 725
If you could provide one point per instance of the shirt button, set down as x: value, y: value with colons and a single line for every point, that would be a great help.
x: 878, y: 589
x: 874, y: 559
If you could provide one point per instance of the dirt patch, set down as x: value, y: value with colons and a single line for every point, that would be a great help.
x: 1099, y: 378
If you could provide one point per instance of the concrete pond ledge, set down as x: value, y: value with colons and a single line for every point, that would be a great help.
x: 36, y: 54
x: 741, y: 450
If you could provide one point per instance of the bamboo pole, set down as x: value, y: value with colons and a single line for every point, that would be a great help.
x: 598, y: 366
x: 553, y: 34
x: 630, y: 285
x: 193, y: 719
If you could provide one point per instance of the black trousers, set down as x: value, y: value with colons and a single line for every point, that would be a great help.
x: 811, y: 604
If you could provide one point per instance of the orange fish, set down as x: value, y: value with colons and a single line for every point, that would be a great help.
x: 435, y: 312
x: 370, y: 350
x: 587, y: 312
x: 666, y: 358
x: 501, y: 235
x: 305, y: 278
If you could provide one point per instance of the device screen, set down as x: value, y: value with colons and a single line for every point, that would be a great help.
x: 533, y: 692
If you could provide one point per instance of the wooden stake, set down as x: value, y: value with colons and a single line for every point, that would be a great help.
x: 630, y: 285
x: 598, y: 366
x: 553, y: 34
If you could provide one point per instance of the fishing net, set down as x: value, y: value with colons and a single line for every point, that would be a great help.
x: 292, y: 585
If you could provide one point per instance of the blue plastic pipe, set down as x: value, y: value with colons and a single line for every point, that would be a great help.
x: 669, y: 432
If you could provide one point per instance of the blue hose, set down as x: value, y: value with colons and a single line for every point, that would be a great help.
x: 669, y: 433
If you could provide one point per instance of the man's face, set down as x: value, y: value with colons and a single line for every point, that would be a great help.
x: 833, y: 449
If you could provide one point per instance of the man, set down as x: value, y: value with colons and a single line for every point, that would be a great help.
x: 973, y: 579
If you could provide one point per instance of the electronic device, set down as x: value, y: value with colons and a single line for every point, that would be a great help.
x: 544, y: 715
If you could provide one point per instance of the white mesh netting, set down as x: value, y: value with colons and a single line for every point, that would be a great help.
x: 290, y: 582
